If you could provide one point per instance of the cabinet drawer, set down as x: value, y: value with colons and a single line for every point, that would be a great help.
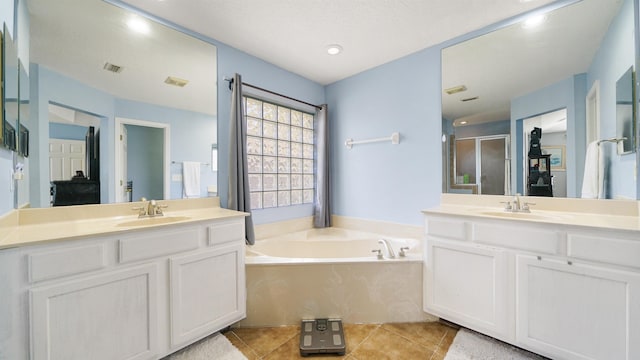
x: 223, y: 233
x: 64, y: 262
x: 450, y: 229
x: 158, y: 244
x: 607, y: 250
x: 520, y: 237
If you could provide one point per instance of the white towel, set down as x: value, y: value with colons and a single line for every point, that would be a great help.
x: 190, y: 179
x: 593, y: 181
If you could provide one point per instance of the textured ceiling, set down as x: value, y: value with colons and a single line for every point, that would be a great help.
x: 294, y: 34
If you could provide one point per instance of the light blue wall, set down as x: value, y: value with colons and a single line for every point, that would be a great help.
x: 487, y: 129
x: 67, y: 132
x: 570, y: 94
x: 615, y: 55
x: 381, y: 181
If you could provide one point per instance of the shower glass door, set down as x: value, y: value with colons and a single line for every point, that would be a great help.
x: 493, y: 165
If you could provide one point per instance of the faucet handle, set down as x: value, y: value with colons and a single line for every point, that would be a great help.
x: 402, y: 251
x: 159, y: 208
x: 379, y: 253
x: 507, y: 205
x: 525, y: 206
x: 140, y: 209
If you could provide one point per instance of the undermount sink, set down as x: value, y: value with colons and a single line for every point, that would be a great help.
x: 153, y: 221
x: 519, y: 215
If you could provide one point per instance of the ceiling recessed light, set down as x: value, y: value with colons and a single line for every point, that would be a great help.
x: 534, y: 21
x: 138, y: 25
x: 334, y: 49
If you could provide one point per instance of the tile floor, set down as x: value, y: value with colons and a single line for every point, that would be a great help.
x: 426, y: 340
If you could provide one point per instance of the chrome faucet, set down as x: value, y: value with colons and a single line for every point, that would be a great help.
x: 516, y: 205
x: 152, y: 208
x: 387, y: 246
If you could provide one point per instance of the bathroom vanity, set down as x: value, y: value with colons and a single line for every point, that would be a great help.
x: 564, y: 283
x: 109, y: 286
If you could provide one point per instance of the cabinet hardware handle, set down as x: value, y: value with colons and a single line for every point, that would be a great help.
x: 569, y: 262
x: 539, y: 257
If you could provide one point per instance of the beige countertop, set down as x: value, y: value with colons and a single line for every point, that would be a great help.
x: 601, y: 214
x: 35, y: 226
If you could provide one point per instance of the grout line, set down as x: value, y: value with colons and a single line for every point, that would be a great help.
x: 364, y: 340
x: 245, y: 344
x: 279, y: 346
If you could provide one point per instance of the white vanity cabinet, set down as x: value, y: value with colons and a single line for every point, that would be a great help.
x: 468, y: 282
x: 565, y: 292
x: 575, y: 310
x: 207, y: 289
x: 133, y: 295
x: 104, y: 316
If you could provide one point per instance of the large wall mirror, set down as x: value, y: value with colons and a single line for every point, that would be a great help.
x: 558, y: 74
x: 117, y: 101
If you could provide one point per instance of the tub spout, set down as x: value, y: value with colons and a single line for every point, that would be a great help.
x: 387, y: 247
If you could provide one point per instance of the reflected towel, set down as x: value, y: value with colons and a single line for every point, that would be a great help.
x: 593, y: 181
x: 190, y: 179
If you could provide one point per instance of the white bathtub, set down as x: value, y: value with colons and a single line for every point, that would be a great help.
x: 330, y: 245
x: 332, y: 273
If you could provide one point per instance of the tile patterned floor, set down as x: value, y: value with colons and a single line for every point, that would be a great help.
x: 426, y: 340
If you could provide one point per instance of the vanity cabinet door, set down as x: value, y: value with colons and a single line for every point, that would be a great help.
x: 577, y: 311
x: 207, y: 292
x: 111, y: 316
x: 468, y: 284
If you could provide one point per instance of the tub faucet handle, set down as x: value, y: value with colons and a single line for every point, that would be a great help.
x: 403, y: 251
x: 379, y: 253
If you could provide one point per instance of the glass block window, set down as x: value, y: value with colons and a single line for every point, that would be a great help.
x: 280, y: 154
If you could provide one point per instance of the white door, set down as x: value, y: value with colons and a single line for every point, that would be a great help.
x: 577, y: 311
x: 65, y: 158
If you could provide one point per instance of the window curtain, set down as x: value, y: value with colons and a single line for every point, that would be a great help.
x: 238, y: 197
x: 322, y: 204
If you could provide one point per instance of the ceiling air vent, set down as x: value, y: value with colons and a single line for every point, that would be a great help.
x: 470, y: 99
x: 112, y: 67
x: 176, y: 81
x: 455, y: 89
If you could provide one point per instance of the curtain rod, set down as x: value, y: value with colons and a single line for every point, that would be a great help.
x: 273, y: 93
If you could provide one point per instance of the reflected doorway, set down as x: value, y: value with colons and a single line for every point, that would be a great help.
x: 482, y: 163
x: 553, y: 141
x: 142, y: 160
x: 73, y: 156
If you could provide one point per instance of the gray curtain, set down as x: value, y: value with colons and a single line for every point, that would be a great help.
x: 238, y: 197
x: 322, y: 205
